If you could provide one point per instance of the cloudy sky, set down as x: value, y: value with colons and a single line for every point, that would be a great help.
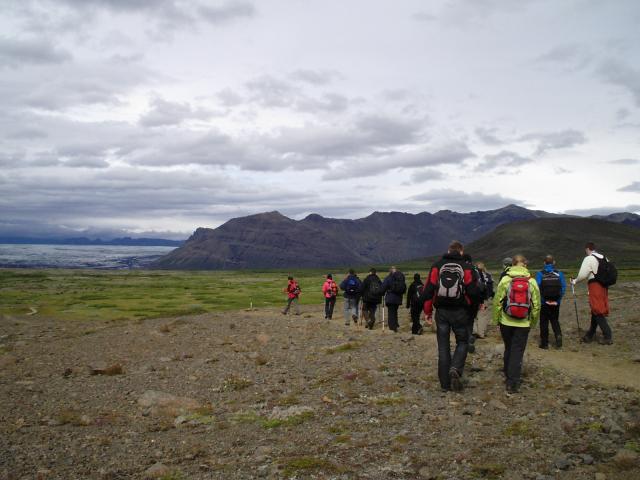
x: 162, y: 116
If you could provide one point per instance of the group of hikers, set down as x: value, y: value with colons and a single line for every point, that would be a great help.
x: 457, y: 289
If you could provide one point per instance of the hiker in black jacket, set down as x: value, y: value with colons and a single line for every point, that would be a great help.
x: 413, y: 303
x: 371, y: 297
x: 474, y: 306
x: 450, y: 289
x: 393, y: 287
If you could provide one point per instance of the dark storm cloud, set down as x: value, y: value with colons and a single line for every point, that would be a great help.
x: 446, y: 199
x: 504, y: 161
x: 622, y: 75
x: 632, y: 187
x: 547, y: 141
x: 38, y: 51
x: 163, y: 113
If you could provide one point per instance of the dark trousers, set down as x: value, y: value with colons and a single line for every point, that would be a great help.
x: 415, y: 319
x: 448, y: 319
x: 549, y: 314
x: 515, y: 342
x: 393, y: 316
x: 329, y: 303
x: 473, y: 313
x: 599, y: 321
x: 369, y: 312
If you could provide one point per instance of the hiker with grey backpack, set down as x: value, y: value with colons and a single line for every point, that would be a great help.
x: 552, y: 285
x: 451, y: 290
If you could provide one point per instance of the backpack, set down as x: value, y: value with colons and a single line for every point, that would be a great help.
x: 416, y: 297
x: 332, y: 290
x: 518, y: 300
x: 481, y: 283
x: 295, y: 290
x: 450, y: 284
x: 374, y: 292
x: 607, y: 274
x: 551, y: 286
x: 398, y: 286
x: 353, y: 286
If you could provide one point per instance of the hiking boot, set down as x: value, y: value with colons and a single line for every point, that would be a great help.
x: 543, y: 346
x: 472, y: 348
x: 512, y: 388
x: 586, y: 339
x: 605, y: 341
x: 559, y: 341
x: 456, y: 382
x: 354, y: 318
x: 370, y: 325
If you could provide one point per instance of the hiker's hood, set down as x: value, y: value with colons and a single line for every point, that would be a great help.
x: 549, y: 267
x: 416, y: 277
x: 518, y: 271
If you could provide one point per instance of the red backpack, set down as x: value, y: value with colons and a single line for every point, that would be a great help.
x: 518, y: 299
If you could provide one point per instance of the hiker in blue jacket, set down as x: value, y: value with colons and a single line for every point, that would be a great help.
x: 352, y: 288
x: 552, y: 288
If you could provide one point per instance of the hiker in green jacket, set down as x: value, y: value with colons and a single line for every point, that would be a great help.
x: 516, y: 308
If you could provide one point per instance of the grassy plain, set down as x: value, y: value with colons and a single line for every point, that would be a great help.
x: 141, y: 294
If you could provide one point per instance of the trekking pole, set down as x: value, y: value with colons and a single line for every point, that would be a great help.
x: 383, y: 315
x: 575, y: 304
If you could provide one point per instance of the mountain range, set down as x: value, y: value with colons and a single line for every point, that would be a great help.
x: 123, y: 241
x: 271, y: 240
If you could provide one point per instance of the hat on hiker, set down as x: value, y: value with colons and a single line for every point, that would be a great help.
x: 506, y: 261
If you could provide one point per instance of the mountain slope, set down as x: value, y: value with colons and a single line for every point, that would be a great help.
x: 562, y: 237
x: 271, y: 240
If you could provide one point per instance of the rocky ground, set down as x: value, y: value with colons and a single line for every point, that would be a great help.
x: 254, y: 394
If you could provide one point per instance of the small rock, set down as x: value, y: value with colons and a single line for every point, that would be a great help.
x: 157, y: 470
x: 562, y: 463
x: 572, y: 401
x: 115, y: 369
x: 85, y: 420
x: 609, y: 426
x: 425, y: 472
x: 494, y: 403
x: 586, y: 459
x: 600, y: 476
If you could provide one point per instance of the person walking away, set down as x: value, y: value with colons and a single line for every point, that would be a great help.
x: 552, y: 285
x: 393, y: 287
x: 293, y: 291
x: 449, y: 288
x: 351, y: 286
x: 413, y: 304
x: 600, y: 275
x: 474, y: 307
x: 516, y: 308
x: 330, y: 292
x: 371, y: 297
x: 483, y: 317
x: 506, y: 265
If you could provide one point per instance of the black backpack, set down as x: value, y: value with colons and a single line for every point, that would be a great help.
x: 607, y: 274
x: 481, y: 283
x: 398, y: 286
x: 550, y: 285
x: 374, y: 292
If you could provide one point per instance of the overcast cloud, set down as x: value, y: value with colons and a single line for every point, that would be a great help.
x: 131, y: 116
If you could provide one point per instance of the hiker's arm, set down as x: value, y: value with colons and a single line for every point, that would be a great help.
x: 426, y: 297
x: 586, y: 268
x: 497, y: 300
x: 535, y: 302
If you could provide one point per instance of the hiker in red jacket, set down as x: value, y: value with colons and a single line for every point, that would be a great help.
x: 293, y: 292
x: 330, y: 292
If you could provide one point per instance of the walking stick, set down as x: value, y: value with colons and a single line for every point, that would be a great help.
x: 575, y: 304
x: 383, y: 315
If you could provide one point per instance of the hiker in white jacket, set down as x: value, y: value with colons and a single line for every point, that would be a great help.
x: 598, y: 295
